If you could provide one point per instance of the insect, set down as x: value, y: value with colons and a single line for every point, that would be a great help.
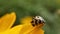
x: 37, y: 20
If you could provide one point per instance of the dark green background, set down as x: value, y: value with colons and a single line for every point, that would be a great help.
x: 46, y: 8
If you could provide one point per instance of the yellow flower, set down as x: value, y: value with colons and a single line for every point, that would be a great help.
x: 24, y: 28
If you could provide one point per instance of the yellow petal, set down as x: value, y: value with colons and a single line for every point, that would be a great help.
x: 26, y: 20
x: 25, y: 29
x: 35, y: 31
x: 20, y: 29
x: 7, y: 21
x: 14, y: 30
x: 27, y: 24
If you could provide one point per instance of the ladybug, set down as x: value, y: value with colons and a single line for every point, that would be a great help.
x: 36, y: 20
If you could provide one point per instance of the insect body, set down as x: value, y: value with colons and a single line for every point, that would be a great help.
x: 37, y: 20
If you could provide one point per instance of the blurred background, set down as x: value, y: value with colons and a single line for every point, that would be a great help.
x: 48, y: 9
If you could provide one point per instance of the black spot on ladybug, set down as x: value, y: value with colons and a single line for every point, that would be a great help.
x: 39, y: 22
x: 36, y: 22
x: 32, y: 21
x: 33, y: 24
